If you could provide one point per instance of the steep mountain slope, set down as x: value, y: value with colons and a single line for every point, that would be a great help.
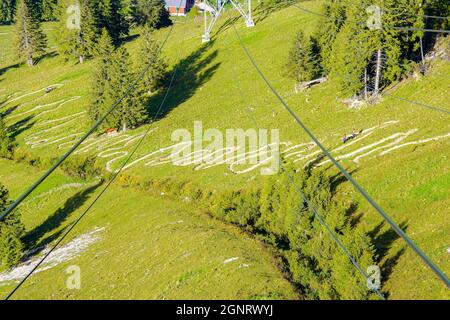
x: 401, y: 159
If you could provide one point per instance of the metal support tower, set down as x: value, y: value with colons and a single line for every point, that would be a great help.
x: 206, y: 37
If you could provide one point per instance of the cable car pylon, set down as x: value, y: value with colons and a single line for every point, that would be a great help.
x: 247, y: 15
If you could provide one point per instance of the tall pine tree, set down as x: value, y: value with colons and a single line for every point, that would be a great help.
x: 151, y: 13
x: 329, y: 26
x: 302, y: 62
x: 112, y: 16
x: 48, y: 10
x: 6, y: 143
x: 112, y: 79
x: 132, y: 111
x: 78, y: 38
x: 11, y: 232
x: 30, y: 39
x: 155, y: 65
x: 351, y: 51
x: 7, y: 11
x: 101, y: 76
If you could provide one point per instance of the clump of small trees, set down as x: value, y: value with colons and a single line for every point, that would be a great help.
x: 361, y: 47
x: 115, y: 76
x: 281, y: 216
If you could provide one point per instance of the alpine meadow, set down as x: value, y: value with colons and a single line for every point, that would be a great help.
x: 224, y: 150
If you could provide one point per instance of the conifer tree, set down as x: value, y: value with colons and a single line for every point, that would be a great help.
x: 6, y: 143
x: 101, y: 76
x: 112, y: 17
x: 7, y: 11
x: 11, y: 232
x: 30, y: 39
x: 349, y: 57
x: 302, y: 63
x: 112, y: 79
x: 48, y: 10
x: 151, y: 13
x: 329, y: 26
x: 131, y: 112
x: 78, y: 41
x: 155, y: 65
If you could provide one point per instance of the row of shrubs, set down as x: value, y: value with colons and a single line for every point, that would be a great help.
x: 279, y: 216
x: 83, y: 167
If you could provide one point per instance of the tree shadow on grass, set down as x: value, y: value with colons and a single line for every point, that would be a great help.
x: 33, y: 238
x: 6, y: 69
x: 129, y: 38
x: 262, y: 11
x: 21, y: 126
x: 383, y: 241
x: 9, y: 110
x: 259, y: 14
x: 339, y: 179
x: 192, y: 72
x: 46, y: 56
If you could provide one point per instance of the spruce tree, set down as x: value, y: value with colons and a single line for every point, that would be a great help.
x: 132, y: 111
x: 112, y: 79
x: 30, y: 39
x: 7, y: 11
x: 48, y: 10
x: 302, y: 64
x: 112, y: 17
x: 151, y: 13
x: 349, y: 59
x: 329, y: 26
x: 11, y: 232
x: 6, y: 143
x: 101, y: 77
x: 355, y: 51
x: 152, y: 62
x: 78, y: 42
x: 399, y: 48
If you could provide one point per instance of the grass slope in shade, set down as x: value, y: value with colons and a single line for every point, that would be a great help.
x: 151, y: 248
x: 410, y: 183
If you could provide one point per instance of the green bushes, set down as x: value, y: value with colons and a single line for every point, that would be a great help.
x: 84, y: 167
x: 237, y: 207
x: 281, y: 216
x: 81, y: 167
x: 11, y: 232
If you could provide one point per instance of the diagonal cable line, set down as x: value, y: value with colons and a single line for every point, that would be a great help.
x: 420, y: 104
x: 294, y: 3
x: 369, y: 199
x: 110, y: 182
x: 22, y: 197
x: 303, y: 196
x: 399, y: 12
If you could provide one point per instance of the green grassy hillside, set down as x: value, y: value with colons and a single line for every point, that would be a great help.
x: 152, y: 247
x: 410, y: 183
